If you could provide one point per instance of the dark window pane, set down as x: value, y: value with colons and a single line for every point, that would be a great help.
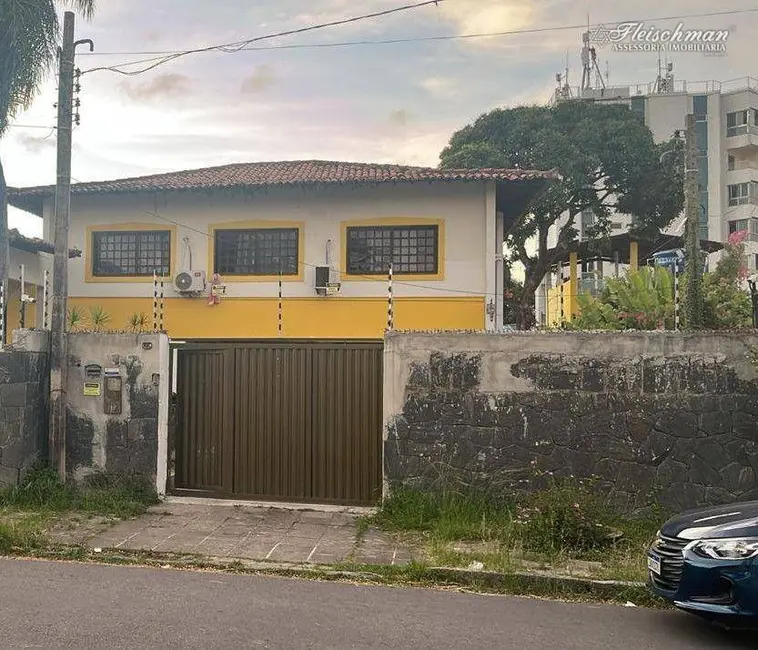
x: 410, y: 249
x: 125, y: 253
x: 264, y: 251
x: 700, y: 105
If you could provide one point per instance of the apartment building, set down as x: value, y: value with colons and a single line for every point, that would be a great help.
x: 726, y: 115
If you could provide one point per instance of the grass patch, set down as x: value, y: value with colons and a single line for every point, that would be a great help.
x: 446, y: 516
x: 564, y: 529
x: 102, y: 494
x: 26, y: 511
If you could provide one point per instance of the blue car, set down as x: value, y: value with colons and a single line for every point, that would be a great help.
x: 706, y: 562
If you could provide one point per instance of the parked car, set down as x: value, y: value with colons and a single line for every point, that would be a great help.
x: 705, y: 562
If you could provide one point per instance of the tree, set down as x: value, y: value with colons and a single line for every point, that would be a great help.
x: 29, y: 36
x: 608, y: 161
x: 726, y: 305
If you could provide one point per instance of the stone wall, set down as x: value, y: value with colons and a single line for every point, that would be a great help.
x: 654, y: 416
x: 23, y: 412
x: 134, y: 440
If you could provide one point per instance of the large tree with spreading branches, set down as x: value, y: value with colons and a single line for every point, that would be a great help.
x: 608, y: 161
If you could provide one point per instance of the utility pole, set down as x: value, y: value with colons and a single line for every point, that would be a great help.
x: 693, y: 295
x: 58, y: 343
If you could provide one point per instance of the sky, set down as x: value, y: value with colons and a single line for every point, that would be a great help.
x: 388, y: 103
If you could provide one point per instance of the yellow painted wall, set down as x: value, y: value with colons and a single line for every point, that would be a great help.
x: 554, y: 304
x: 334, y: 317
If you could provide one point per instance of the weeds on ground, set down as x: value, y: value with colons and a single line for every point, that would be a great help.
x: 26, y: 510
x: 565, y: 523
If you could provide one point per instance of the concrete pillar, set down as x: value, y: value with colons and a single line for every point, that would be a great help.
x: 633, y: 255
x: 573, y: 284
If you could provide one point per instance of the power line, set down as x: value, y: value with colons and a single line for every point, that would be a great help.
x: 30, y: 126
x: 170, y: 54
x: 231, y: 48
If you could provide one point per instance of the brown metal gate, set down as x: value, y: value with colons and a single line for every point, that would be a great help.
x: 280, y: 420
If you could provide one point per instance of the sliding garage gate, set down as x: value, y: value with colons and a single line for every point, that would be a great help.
x: 299, y: 421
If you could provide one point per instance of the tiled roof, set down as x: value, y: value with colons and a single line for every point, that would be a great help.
x: 268, y: 174
x: 34, y: 244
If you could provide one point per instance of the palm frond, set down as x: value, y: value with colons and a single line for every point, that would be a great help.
x: 29, y: 37
x: 85, y: 7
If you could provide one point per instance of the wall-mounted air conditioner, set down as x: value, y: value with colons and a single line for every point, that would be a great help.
x: 190, y: 282
x: 327, y: 281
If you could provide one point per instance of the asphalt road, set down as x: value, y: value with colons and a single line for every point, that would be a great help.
x: 56, y: 605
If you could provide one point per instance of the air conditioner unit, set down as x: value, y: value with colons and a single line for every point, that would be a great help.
x: 327, y: 281
x: 190, y: 282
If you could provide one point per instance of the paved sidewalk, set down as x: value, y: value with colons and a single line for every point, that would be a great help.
x: 254, y: 533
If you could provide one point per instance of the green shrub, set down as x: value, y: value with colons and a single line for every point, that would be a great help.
x: 567, y: 516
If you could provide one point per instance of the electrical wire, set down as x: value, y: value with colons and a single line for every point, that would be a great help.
x: 157, y: 215
x: 231, y: 48
x: 30, y: 126
x: 160, y: 56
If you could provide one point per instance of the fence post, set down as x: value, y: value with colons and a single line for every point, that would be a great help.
x: 279, y: 315
x: 45, y: 297
x: 2, y: 315
x: 155, y: 302
x: 390, y: 314
x: 22, y: 309
x: 676, y: 296
x: 160, y: 307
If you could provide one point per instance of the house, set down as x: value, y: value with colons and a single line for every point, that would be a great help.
x: 256, y: 224
x: 30, y: 259
x: 277, y: 373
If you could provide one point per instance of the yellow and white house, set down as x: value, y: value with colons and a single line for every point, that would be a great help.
x: 325, y: 232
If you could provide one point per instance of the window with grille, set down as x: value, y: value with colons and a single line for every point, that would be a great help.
x: 131, y: 253
x: 410, y: 249
x: 258, y: 251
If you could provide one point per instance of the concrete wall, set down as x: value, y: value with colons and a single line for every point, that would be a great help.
x: 135, y: 440
x: 657, y: 415
x: 23, y: 411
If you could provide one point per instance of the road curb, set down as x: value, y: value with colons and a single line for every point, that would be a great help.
x: 516, y: 584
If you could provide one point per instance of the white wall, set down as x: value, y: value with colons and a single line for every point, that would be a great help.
x: 462, y: 206
x: 664, y: 114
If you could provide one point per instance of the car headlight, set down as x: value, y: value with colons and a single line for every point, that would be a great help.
x: 726, y: 549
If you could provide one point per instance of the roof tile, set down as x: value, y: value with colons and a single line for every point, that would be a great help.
x: 268, y: 174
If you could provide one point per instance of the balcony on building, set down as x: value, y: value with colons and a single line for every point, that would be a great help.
x: 742, y: 131
x: 742, y: 199
x: 742, y: 168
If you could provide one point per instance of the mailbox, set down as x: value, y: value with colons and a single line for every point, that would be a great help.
x: 92, y: 380
x: 113, y: 394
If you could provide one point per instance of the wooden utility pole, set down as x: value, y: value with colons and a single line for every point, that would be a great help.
x: 58, y: 344
x: 693, y: 295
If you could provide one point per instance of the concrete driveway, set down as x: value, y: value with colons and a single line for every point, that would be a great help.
x: 253, y: 533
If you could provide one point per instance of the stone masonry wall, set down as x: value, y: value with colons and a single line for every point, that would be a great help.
x: 23, y: 413
x: 653, y: 416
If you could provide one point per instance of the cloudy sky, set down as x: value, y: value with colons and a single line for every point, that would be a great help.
x: 395, y: 103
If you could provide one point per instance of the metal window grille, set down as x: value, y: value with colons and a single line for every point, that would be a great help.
x: 131, y: 253
x: 263, y: 251
x: 409, y: 249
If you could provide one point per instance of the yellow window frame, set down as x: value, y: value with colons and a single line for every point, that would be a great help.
x: 394, y: 221
x: 89, y: 275
x: 259, y: 225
